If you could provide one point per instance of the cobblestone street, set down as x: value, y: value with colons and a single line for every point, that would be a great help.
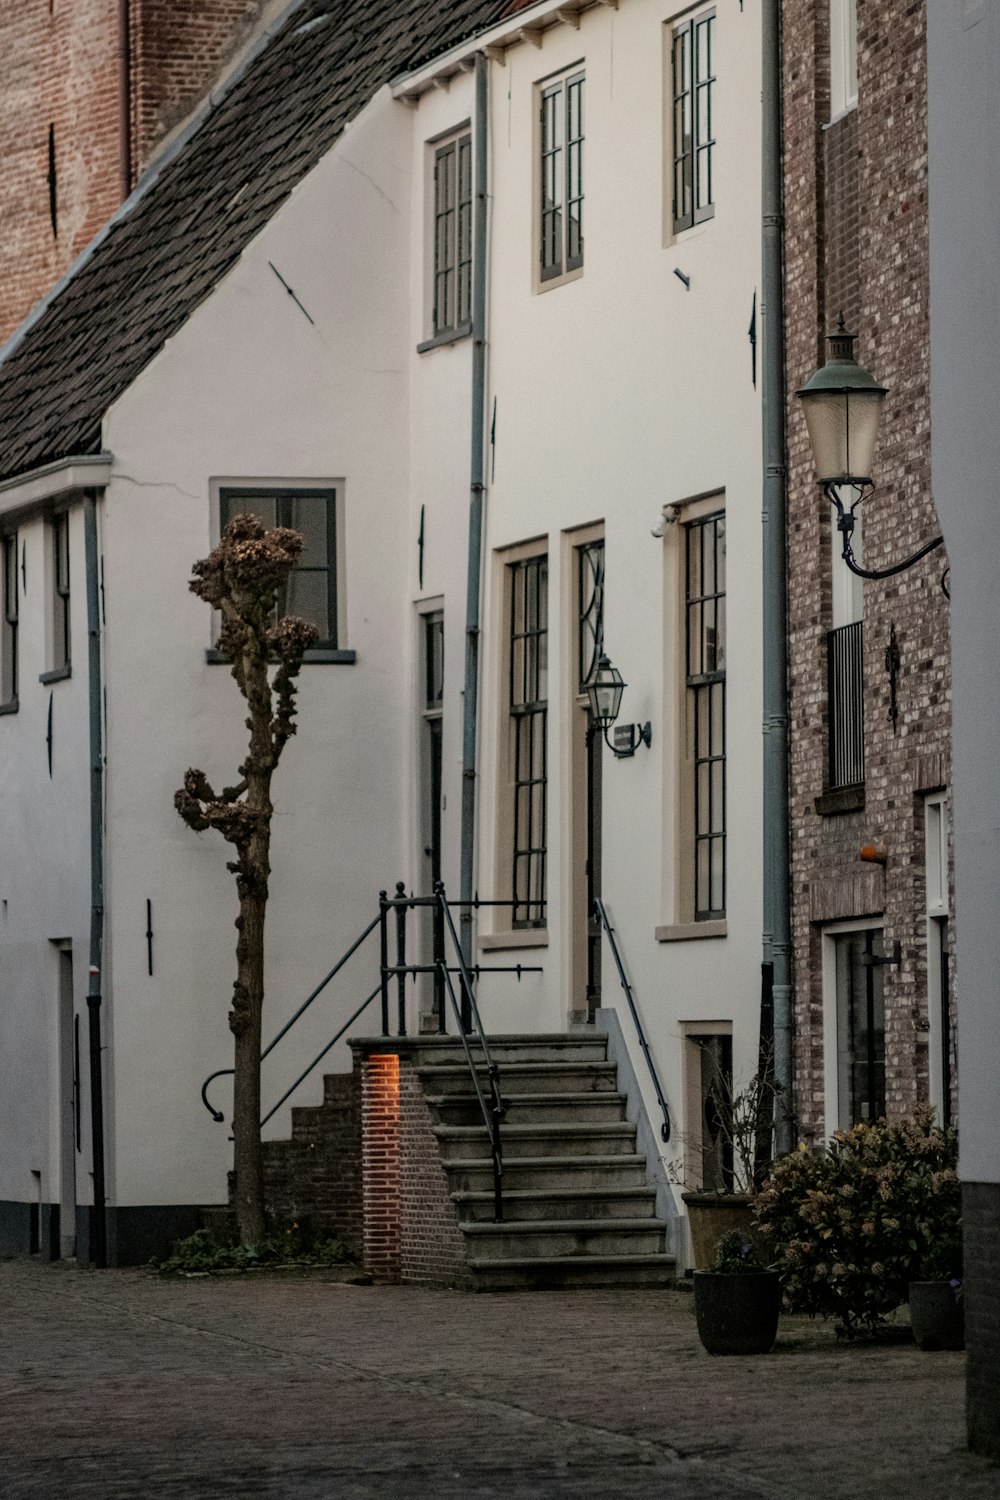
x: 122, y: 1385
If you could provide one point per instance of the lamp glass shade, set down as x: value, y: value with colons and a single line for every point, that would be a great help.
x: 604, y: 693
x: 842, y: 405
x: 843, y: 427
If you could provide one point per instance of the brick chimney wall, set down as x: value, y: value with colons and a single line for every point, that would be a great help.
x: 60, y: 78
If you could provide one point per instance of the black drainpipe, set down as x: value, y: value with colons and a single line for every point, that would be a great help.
x: 99, y: 1240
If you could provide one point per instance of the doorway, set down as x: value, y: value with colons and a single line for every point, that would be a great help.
x: 68, y: 1102
x: 431, y: 764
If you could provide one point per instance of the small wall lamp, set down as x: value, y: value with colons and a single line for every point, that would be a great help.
x: 604, y: 695
x: 842, y: 405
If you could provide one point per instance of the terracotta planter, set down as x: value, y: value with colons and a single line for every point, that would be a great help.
x: 737, y: 1313
x: 937, y: 1315
x: 711, y: 1215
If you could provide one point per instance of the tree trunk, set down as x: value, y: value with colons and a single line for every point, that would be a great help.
x: 248, y: 999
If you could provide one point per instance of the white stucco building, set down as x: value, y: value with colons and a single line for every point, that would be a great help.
x: 282, y: 319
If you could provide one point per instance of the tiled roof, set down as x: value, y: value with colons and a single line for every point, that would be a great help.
x: 163, y: 254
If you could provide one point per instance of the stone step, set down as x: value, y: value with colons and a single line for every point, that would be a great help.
x: 528, y: 1204
x: 523, y: 1077
x: 519, y: 1273
x: 544, y: 1173
x: 532, y: 1109
x: 595, y: 1139
x: 552, y: 1046
x: 541, y: 1239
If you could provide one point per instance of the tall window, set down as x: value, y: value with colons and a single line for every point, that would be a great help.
x: 590, y: 592
x: 311, y: 590
x: 8, y: 624
x: 845, y: 673
x: 561, y: 177
x: 693, y: 70
x: 843, y: 56
x: 59, y: 539
x: 528, y: 643
x: 860, y: 1026
x: 452, y: 235
x: 705, y: 609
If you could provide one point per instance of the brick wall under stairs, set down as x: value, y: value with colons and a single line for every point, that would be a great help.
x: 397, y: 1160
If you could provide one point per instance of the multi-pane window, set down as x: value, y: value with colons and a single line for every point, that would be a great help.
x: 8, y: 624
x: 59, y: 534
x: 590, y: 592
x: 845, y: 673
x: 528, y: 582
x: 693, y: 71
x: 561, y: 177
x: 705, y: 609
x: 452, y: 235
x: 311, y: 589
x: 860, y: 1026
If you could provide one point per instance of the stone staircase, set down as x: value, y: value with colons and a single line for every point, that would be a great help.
x: 577, y: 1209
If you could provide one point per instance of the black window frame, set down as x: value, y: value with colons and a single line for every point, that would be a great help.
x: 562, y: 135
x: 451, y: 302
x: 590, y: 619
x: 528, y: 715
x: 61, y: 632
x: 234, y: 497
x: 9, y: 621
x: 859, y: 975
x: 705, y: 679
x: 692, y: 76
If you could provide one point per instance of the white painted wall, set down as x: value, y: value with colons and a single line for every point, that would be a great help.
x: 617, y: 393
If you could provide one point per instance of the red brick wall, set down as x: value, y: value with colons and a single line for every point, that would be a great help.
x: 856, y: 210
x: 316, y: 1175
x: 60, y: 67
x: 411, y: 1231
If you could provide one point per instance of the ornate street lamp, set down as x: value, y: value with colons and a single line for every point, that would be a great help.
x: 842, y: 405
x: 604, y: 695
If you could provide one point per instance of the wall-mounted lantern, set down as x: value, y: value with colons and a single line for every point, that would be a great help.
x: 604, y: 695
x: 842, y: 405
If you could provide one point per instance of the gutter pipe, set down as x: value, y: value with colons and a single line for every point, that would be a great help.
x: 470, y: 711
x: 99, y: 1243
x: 777, y: 931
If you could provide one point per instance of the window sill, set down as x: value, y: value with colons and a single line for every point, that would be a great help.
x: 446, y: 336
x: 318, y: 656
x: 527, y: 937
x: 684, y: 932
x: 57, y: 674
x: 844, y: 800
x: 551, y: 282
x: 11, y: 707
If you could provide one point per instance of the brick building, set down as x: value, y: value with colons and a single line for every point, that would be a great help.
x: 868, y: 662
x: 88, y: 91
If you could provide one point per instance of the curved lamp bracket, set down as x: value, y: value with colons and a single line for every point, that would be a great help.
x: 216, y: 1114
x: 845, y: 525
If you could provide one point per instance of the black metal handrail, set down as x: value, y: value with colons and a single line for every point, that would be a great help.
x: 493, y: 1115
x: 600, y: 911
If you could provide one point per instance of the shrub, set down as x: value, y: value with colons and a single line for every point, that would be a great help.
x: 857, y: 1223
x: 735, y: 1255
x: 218, y: 1248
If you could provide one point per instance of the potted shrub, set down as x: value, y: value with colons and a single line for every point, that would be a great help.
x: 738, y: 1301
x: 740, y: 1122
x: 857, y: 1223
x: 937, y: 1306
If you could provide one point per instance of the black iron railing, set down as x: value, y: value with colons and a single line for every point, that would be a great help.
x: 600, y: 911
x: 392, y: 914
x: 845, y: 679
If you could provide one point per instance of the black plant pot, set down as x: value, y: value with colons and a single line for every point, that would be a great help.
x: 738, y: 1313
x: 937, y: 1315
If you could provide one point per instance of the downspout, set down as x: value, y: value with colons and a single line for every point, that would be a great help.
x: 777, y: 931
x: 125, y: 96
x: 470, y: 711
x: 99, y: 1246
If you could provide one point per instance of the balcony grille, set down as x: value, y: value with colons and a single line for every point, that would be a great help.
x: 845, y: 667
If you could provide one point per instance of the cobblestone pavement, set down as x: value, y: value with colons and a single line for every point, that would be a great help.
x: 120, y: 1386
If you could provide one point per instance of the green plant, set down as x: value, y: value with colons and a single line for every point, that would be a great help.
x: 220, y: 1249
x: 858, y: 1222
x: 736, y: 1255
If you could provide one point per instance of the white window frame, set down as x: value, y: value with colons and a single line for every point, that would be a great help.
x: 938, y: 911
x: 439, y: 328
x: 843, y: 57
x: 569, y: 267
x: 831, y: 1018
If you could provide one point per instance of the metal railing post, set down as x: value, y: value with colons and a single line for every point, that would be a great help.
x: 383, y: 943
x: 400, y: 904
x: 437, y: 929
